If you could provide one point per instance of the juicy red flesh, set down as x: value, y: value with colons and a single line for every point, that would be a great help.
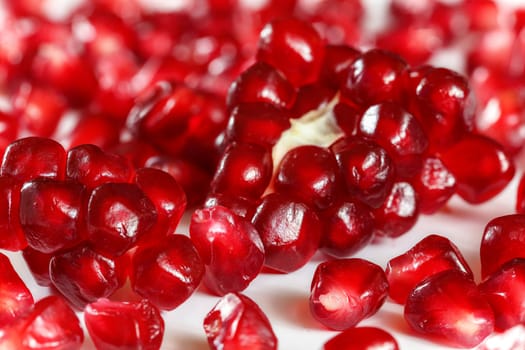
x: 429, y: 256
x: 12, y: 236
x: 449, y: 308
x: 236, y: 322
x: 230, y: 248
x: 362, y: 338
x: 290, y: 232
x: 124, y: 325
x: 167, y: 273
x: 346, y: 291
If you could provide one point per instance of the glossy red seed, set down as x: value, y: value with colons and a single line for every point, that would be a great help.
x: 243, y: 207
x: 290, y: 231
x: 347, y: 227
x: 167, y: 196
x: 504, y: 291
x: 94, y: 129
x: 52, y: 213
x: 32, y: 157
x: 236, y: 322
x: 258, y: 123
x: 116, y: 325
x: 118, y: 214
x: 229, y: 246
x: 261, y: 83
x: 309, y: 174
x: 481, y: 167
x: 294, y: 48
x: 503, y: 240
x: 168, y: 272
x: 83, y: 275
x: 450, y: 309
x: 374, y: 77
x: 367, y: 169
x: 434, y: 185
x: 398, y: 132
x: 12, y: 236
x: 336, y: 62
x: 38, y: 264
x: 15, y: 298
x: 346, y: 291
x: 399, y: 212
x: 362, y: 338
x: 347, y: 118
x: 429, y: 256
x: 245, y: 170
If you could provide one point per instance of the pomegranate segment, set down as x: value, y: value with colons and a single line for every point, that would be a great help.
x: 124, y: 325
x: 449, y: 308
x: 346, y: 291
x: 429, y: 256
x: 230, y: 248
x: 290, y: 232
x: 362, y: 338
x: 236, y: 323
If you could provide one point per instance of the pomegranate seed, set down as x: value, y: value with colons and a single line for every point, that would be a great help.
x: 167, y: 273
x: 481, y: 167
x: 118, y: 214
x: 362, y: 338
x: 244, y: 171
x: 482, y: 15
x: 51, y: 213
x: 347, y: 227
x: 32, y: 157
x: 399, y: 212
x: 312, y: 97
x: 38, y: 264
x: 236, y: 322
x: 336, y: 62
x: 429, y: 256
x: 12, y: 237
x: 15, y: 298
x: 229, y: 246
x: 94, y: 129
x: 83, y: 275
x: 124, y: 325
x: 503, y: 240
x: 310, y: 174
x: 294, y: 48
x: 504, y: 291
x: 51, y: 324
x: 449, y: 308
x: 346, y: 291
x: 240, y: 206
x: 290, y: 232
x: 347, y: 118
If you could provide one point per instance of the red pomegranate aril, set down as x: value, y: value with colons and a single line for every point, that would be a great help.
x: 434, y: 185
x: 346, y: 291
x: 52, y: 213
x: 230, y: 248
x: 503, y: 240
x: 347, y: 228
x: 82, y: 275
x: 294, y: 48
x: 50, y: 325
x: 399, y: 212
x: 15, y: 298
x: 118, y: 214
x: 309, y: 174
x: 429, y: 256
x: 94, y: 129
x: 236, y: 322
x: 32, y: 157
x: 481, y: 167
x: 312, y: 97
x: 374, y: 77
x: 290, y: 232
x: 261, y: 83
x: 504, y: 291
x: 12, y: 236
x: 362, y: 338
x: 258, y: 123
x: 336, y: 62
x: 396, y: 130
x: 38, y: 264
x: 245, y: 170
x: 116, y: 325
x: 240, y: 206
x: 366, y: 168
x: 482, y: 15
x: 168, y: 272
x: 449, y: 308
